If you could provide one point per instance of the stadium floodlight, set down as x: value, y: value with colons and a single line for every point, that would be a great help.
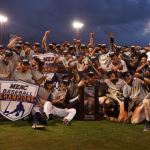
x: 3, y: 19
x: 77, y: 25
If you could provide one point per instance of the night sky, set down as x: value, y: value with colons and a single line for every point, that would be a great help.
x: 129, y: 20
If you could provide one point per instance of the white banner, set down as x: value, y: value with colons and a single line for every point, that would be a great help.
x: 47, y: 58
x: 17, y: 99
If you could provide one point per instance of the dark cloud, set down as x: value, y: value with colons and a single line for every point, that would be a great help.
x: 127, y: 19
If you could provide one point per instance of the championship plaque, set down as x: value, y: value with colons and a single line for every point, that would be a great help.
x: 89, y: 107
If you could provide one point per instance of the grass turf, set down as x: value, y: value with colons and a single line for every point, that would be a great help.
x: 81, y: 135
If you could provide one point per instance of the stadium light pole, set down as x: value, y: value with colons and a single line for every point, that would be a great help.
x: 3, y: 19
x: 77, y: 25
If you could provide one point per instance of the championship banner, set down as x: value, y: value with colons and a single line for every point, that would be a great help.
x: 17, y: 99
x: 48, y: 59
x: 49, y: 63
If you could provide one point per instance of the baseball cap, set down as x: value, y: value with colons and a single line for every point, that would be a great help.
x: 64, y: 76
x: 48, y: 81
x: 20, y: 42
x: 99, y: 45
x: 111, y: 54
x: 58, y: 45
x: 103, y: 45
x: 50, y: 45
x: 25, y: 61
x: 71, y: 46
x: 132, y: 47
x: 1, y: 47
x: 68, y: 45
x: 66, y: 82
x: 90, y: 73
x: 65, y: 52
x: 118, y: 47
x: 37, y: 44
x: 93, y: 58
x: 83, y: 45
x: 27, y: 44
x: 126, y: 75
x: 8, y: 53
x: 18, y: 45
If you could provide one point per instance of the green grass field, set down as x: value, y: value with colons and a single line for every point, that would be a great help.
x: 81, y: 135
